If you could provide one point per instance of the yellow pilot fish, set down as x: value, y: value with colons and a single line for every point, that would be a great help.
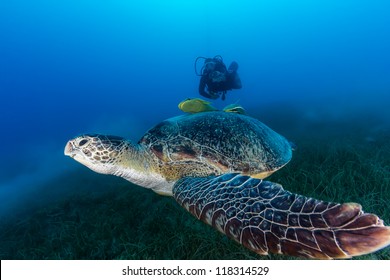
x: 234, y: 108
x: 195, y: 105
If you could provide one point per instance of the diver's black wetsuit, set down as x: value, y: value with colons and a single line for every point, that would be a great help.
x: 218, y: 80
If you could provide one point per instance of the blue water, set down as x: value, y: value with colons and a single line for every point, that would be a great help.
x: 118, y: 67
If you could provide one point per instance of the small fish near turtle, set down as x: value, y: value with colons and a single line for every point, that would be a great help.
x: 214, y: 163
x: 197, y: 105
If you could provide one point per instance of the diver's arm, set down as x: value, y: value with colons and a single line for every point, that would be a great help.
x: 233, y: 77
x: 203, y: 92
x: 202, y: 86
x: 237, y: 81
x: 202, y: 89
x: 233, y: 81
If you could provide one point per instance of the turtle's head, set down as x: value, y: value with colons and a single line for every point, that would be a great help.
x: 101, y: 153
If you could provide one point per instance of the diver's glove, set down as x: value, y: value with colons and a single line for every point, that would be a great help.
x: 213, y: 95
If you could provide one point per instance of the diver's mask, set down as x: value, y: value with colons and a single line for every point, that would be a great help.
x: 209, y: 66
x: 217, y: 77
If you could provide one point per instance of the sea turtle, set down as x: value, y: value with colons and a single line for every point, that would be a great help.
x: 213, y: 164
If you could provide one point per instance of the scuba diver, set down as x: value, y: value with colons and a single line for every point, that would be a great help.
x: 216, y: 79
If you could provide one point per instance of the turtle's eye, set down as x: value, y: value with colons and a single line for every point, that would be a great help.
x: 83, y: 142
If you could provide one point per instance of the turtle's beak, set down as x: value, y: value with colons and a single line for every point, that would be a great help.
x: 69, y: 149
x: 81, y: 150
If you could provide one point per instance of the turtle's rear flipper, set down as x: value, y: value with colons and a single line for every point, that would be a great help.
x: 265, y: 218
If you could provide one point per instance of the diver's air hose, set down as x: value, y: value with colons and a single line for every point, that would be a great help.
x: 217, y: 57
x: 196, y: 62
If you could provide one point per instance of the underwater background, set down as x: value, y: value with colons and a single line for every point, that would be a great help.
x: 317, y: 72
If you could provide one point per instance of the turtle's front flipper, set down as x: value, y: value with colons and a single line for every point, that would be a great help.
x: 265, y: 218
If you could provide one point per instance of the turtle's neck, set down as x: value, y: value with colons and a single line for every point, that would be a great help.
x: 137, y: 166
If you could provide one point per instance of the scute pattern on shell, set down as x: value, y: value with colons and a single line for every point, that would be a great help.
x: 212, y: 143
